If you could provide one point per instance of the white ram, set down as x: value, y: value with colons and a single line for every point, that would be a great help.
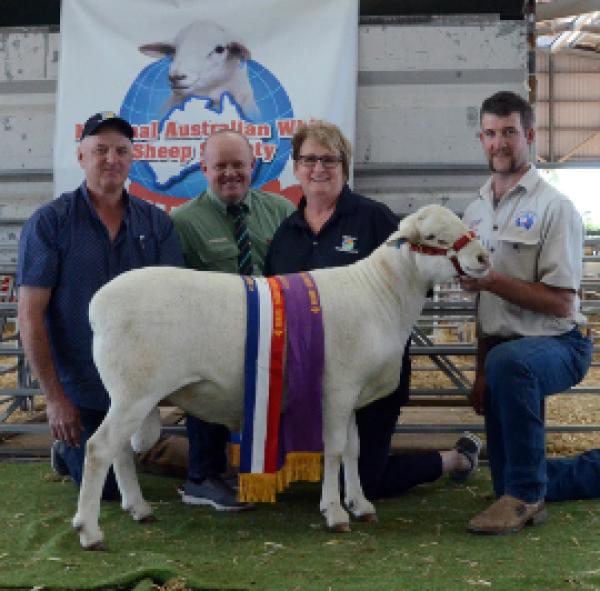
x: 207, y: 62
x: 165, y: 332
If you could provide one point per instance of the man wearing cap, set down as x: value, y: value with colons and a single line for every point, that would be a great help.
x: 68, y: 249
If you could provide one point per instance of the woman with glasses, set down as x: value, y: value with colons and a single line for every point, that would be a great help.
x: 333, y: 226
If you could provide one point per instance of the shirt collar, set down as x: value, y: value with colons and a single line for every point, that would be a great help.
x: 526, y: 184
x: 222, y: 206
x: 86, y: 197
x: 345, y: 205
x: 530, y: 180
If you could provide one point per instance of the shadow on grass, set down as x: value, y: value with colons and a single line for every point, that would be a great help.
x: 420, y: 542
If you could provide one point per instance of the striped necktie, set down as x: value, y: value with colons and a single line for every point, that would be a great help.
x: 239, y: 212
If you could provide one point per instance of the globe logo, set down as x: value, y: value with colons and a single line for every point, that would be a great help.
x: 145, y: 100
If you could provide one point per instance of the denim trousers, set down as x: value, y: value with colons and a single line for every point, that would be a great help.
x: 74, y: 456
x: 207, y: 448
x: 576, y: 477
x: 519, y: 374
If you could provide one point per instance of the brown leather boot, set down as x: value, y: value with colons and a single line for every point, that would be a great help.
x: 508, y: 515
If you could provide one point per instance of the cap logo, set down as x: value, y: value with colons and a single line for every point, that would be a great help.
x: 95, y: 122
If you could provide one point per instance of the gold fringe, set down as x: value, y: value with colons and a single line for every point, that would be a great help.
x: 262, y: 488
x: 234, y: 455
x: 301, y: 466
x: 257, y: 488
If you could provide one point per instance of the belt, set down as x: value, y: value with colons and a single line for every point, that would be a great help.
x: 491, y: 342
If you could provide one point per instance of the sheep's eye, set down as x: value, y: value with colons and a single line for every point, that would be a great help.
x: 219, y: 49
x: 430, y: 237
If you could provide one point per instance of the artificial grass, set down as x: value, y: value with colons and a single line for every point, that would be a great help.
x: 420, y: 543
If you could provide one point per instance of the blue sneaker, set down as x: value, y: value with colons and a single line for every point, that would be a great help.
x: 214, y: 492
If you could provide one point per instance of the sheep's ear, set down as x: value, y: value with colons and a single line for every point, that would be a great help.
x: 238, y: 50
x: 409, y: 230
x: 157, y: 49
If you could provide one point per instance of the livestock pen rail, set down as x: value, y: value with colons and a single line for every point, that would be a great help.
x: 443, y: 344
x: 445, y: 335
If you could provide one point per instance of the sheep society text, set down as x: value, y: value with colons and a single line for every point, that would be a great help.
x: 187, y: 153
x: 145, y: 134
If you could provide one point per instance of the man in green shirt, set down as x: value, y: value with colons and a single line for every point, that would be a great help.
x: 214, y: 230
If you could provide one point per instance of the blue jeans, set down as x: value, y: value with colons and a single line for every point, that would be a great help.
x: 572, y: 478
x: 519, y: 374
x: 73, y: 457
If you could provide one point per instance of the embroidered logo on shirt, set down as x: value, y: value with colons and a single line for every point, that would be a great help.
x: 525, y: 219
x: 348, y: 245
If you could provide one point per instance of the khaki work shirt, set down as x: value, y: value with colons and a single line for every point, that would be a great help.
x: 534, y: 234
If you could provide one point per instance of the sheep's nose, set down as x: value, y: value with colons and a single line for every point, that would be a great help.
x: 483, y: 259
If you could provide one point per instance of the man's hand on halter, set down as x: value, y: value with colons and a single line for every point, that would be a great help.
x: 484, y: 283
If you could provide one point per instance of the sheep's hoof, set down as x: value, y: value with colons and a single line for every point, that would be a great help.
x: 340, y: 528
x: 367, y: 518
x: 142, y: 513
x: 96, y: 546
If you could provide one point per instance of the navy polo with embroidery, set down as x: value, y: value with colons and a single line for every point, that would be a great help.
x: 356, y: 228
x: 66, y: 247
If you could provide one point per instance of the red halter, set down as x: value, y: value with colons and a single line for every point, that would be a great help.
x: 448, y: 252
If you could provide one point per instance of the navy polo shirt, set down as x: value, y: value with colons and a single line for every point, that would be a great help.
x: 66, y: 247
x: 356, y: 228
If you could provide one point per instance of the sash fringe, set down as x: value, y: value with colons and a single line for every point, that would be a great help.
x: 263, y: 488
x: 234, y: 455
x: 299, y: 466
x: 257, y: 488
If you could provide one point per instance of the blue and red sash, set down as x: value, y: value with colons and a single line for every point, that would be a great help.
x: 279, y: 449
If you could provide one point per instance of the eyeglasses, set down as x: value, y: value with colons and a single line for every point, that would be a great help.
x: 310, y: 161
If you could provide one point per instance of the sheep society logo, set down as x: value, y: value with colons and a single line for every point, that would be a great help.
x: 202, y: 81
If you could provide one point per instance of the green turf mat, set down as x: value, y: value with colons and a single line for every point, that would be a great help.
x: 419, y: 543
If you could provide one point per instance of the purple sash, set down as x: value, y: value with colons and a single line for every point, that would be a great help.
x: 302, y: 420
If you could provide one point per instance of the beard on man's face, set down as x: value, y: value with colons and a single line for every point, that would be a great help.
x: 507, y: 168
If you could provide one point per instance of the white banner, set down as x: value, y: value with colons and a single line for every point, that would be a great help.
x: 178, y: 71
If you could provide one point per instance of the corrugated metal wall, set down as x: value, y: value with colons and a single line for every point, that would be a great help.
x: 568, y: 108
x: 420, y: 87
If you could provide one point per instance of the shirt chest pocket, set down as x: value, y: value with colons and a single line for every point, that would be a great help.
x: 138, y: 251
x: 148, y: 249
x: 517, y: 254
x: 222, y: 257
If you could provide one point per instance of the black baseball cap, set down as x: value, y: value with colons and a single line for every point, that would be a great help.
x: 106, y: 119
